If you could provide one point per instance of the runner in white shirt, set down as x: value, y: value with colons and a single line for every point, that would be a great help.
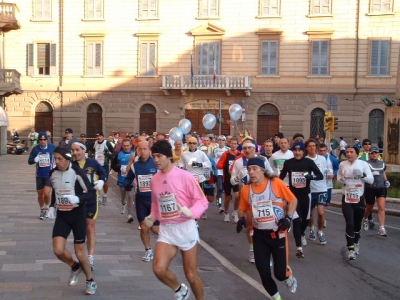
x: 217, y: 153
x: 319, y: 190
x: 278, y: 158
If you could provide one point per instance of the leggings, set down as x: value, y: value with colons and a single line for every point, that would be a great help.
x: 220, y: 187
x: 303, y: 210
x: 353, y: 214
x: 264, y: 247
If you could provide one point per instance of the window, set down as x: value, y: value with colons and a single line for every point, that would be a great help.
x: 208, y: 58
x: 94, y: 9
x: 270, y: 7
x: 376, y: 124
x: 332, y: 102
x: 148, y: 9
x: 317, y: 122
x: 269, y: 58
x: 208, y: 8
x: 380, y: 6
x: 94, y: 58
x: 320, y: 7
x: 148, y: 59
x: 41, y: 59
x: 42, y: 9
x: 320, y: 58
x: 379, y: 57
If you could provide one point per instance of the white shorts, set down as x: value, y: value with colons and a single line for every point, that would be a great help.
x: 183, y: 235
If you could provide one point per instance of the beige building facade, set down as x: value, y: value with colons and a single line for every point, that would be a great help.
x: 133, y: 66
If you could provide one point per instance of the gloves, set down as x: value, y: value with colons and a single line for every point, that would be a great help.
x: 98, y: 185
x: 129, y: 187
x: 36, y: 159
x: 123, y: 169
x: 185, y: 211
x: 196, y: 164
x: 342, y: 182
x: 51, y: 214
x: 284, y: 223
x: 357, y: 174
x: 241, y: 224
x: 387, y: 184
x: 72, y: 199
x: 149, y: 220
x: 309, y: 176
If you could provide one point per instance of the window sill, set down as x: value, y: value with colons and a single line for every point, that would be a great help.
x: 377, y: 14
x: 378, y: 76
x: 93, y: 76
x: 93, y: 20
x: 148, y: 19
x: 208, y: 18
x: 319, y: 76
x: 150, y: 76
x: 43, y: 76
x: 41, y: 20
x: 269, y: 17
x: 320, y: 16
x: 268, y: 76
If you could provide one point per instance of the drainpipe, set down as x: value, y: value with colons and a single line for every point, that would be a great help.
x: 61, y: 63
x: 357, y: 54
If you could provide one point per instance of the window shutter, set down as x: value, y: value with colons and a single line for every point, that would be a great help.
x: 30, y: 59
x: 98, y: 9
x: 314, y: 58
x: 202, y: 60
x: 143, y: 59
x: 53, y: 59
x: 384, y: 58
x: 213, y: 8
x: 98, y: 59
x: 153, y: 8
x: 324, y: 61
x: 89, y: 58
x: 203, y: 8
x: 38, y: 9
x: 152, y: 59
x: 374, y: 64
x: 90, y: 9
x: 273, y: 58
x: 46, y: 9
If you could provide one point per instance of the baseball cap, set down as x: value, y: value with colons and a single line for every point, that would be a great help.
x: 69, y: 130
x: 299, y: 145
x: 279, y: 134
x: 83, y: 134
x: 374, y: 149
x: 100, y: 133
x: 42, y: 135
x: 222, y: 137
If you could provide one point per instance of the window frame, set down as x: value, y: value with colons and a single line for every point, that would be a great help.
x: 95, y: 41
x: 269, y: 40
x: 86, y: 16
x: 140, y: 10
x: 32, y: 59
x: 380, y: 12
x: 312, y: 41
x: 208, y: 15
x: 35, y: 11
x: 148, y: 42
x: 320, y: 4
x: 265, y: 15
x: 378, y: 66
x: 210, y: 66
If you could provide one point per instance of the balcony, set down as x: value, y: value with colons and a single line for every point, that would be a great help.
x: 206, y: 82
x: 8, y: 20
x: 10, y: 82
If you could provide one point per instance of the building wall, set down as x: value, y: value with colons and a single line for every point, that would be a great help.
x: 121, y: 93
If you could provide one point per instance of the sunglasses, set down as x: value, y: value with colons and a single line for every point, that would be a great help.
x: 42, y: 139
x: 367, y: 144
x: 191, y: 143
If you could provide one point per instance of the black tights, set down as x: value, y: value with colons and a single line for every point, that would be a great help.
x: 300, y: 224
x: 353, y: 214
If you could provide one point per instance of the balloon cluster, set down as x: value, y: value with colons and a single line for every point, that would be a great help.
x: 184, y: 127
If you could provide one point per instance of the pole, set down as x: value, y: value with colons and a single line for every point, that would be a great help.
x: 220, y: 116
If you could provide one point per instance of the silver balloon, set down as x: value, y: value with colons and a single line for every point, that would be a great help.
x: 176, y: 134
x: 235, y: 111
x: 185, y: 126
x: 209, y: 121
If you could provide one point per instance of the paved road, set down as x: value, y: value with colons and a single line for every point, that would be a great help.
x: 29, y: 269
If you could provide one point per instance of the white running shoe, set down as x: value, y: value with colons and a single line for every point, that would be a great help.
x: 148, y: 255
x: 357, y: 248
x: 303, y: 240
x: 91, y: 261
x: 130, y: 219
x: 312, y: 233
x: 291, y: 283
x: 299, y: 252
x: 226, y: 217
x: 91, y: 287
x: 365, y: 224
x: 322, y: 239
x: 183, y: 293
x: 123, y: 209
x: 42, y: 214
x: 235, y: 217
x: 351, y: 255
x: 251, y: 257
x: 73, y: 278
x: 382, y: 232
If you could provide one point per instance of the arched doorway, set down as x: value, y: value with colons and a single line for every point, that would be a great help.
x: 267, y: 122
x: 375, y: 124
x: 148, y: 120
x: 317, y: 122
x: 44, y: 117
x: 94, y: 120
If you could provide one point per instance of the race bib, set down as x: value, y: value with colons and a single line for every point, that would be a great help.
x: 207, y: 173
x: 168, y: 207
x: 352, y: 192
x: 298, y: 180
x: 144, y: 183
x: 230, y: 162
x: 263, y: 212
x: 125, y: 171
x: 44, y: 160
x: 100, y: 158
x: 62, y: 202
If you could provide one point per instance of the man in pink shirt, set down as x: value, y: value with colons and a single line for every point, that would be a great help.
x: 176, y: 201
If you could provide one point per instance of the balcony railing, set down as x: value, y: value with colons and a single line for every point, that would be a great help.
x: 206, y: 82
x: 8, y: 20
x: 10, y: 82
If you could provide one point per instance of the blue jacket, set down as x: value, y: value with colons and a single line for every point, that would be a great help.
x: 46, y: 163
x: 142, y: 169
x: 123, y: 160
x: 335, y: 164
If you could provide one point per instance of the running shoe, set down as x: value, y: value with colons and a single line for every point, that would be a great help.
x: 299, y: 252
x: 357, y: 248
x: 73, y: 278
x: 139, y: 228
x: 204, y: 216
x: 226, y: 217
x: 382, y: 232
x: 42, y: 214
x: 220, y: 210
x: 104, y: 201
x: 46, y: 216
x: 148, y: 255
x: 235, y: 217
x: 291, y: 283
x: 351, y: 255
x: 130, y: 219
x: 183, y: 293
x: 322, y: 239
x: 371, y: 223
x: 123, y: 209
x: 91, y: 261
x: 91, y: 287
x: 251, y: 256
x: 365, y: 224
x: 312, y: 233
x: 303, y: 240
